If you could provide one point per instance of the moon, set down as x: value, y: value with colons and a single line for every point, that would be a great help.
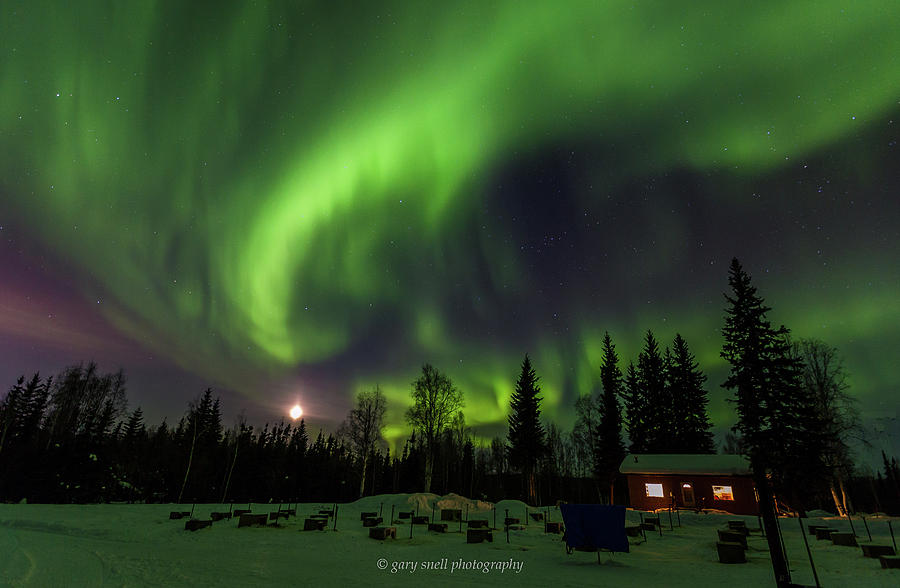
x: 296, y: 412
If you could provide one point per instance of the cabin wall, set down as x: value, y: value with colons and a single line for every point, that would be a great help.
x: 742, y: 490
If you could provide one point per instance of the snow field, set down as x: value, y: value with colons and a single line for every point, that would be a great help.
x: 137, y: 545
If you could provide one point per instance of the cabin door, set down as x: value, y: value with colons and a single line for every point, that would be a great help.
x: 687, y: 494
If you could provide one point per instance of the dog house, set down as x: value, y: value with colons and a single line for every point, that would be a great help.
x: 722, y: 482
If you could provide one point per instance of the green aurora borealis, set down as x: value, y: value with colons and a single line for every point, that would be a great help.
x: 301, y: 198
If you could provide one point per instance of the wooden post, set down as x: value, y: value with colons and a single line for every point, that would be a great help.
x: 494, y: 507
x: 869, y: 533
x: 507, y: 526
x: 381, y: 509
x: 678, y: 516
x: 893, y: 541
x: 809, y: 553
x: 193, y: 504
x: 770, y: 522
x: 461, y: 519
x: 642, y: 526
x: 781, y: 538
x: 334, y: 528
x: 671, y: 527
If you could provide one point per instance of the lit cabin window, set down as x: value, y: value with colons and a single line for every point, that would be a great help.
x: 722, y: 493
x: 654, y: 490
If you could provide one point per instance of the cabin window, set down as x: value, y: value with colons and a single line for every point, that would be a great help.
x: 723, y: 493
x: 654, y: 490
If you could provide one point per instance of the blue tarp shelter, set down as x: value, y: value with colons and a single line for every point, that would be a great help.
x: 595, y: 526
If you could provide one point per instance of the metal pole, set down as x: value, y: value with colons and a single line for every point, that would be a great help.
x: 644, y: 535
x: 893, y: 542
x: 334, y: 528
x: 869, y: 533
x: 852, y: 530
x: 671, y: 527
x: 809, y: 553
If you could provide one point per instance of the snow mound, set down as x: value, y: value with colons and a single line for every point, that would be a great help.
x: 420, y: 502
x: 455, y: 501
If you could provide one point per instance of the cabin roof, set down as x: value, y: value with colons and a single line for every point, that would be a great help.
x: 675, y: 463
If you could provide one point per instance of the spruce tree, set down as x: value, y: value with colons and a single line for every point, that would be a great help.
x: 689, y: 401
x: 134, y: 428
x: 651, y: 374
x: 760, y: 378
x: 610, y: 450
x: 635, y: 411
x: 527, y: 442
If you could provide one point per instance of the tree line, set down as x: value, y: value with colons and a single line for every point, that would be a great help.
x: 71, y: 438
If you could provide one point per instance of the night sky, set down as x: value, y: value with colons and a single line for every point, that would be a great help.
x: 296, y: 201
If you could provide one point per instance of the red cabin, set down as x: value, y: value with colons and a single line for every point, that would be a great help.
x: 721, y: 482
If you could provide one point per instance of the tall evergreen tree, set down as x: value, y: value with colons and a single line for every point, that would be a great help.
x: 134, y: 428
x: 610, y: 450
x: 691, y: 426
x: 651, y: 372
x: 636, y: 411
x: 527, y: 442
x: 762, y: 377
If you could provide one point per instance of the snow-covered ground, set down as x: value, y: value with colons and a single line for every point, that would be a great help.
x: 137, y: 545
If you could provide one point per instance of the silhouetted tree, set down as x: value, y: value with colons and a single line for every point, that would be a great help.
x: 760, y: 375
x: 587, y: 423
x: 435, y: 401
x: 363, y: 428
x: 526, y: 434
x: 636, y: 412
x: 825, y: 382
x: 609, y: 449
x: 651, y: 398
x: 733, y: 444
x: 690, y: 419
